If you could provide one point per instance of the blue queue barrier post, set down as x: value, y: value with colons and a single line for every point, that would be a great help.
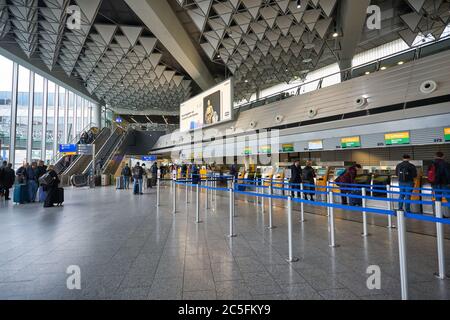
x: 187, y: 192
x: 389, y: 206
x: 302, y: 205
x: 206, y: 196
x: 174, y: 198
x: 364, y: 213
x: 440, y: 243
x: 331, y: 228
x: 158, y: 192
x: 402, y: 253
x: 231, y: 214
x: 197, y: 204
x: 263, y: 204
x: 271, y: 226
x: 328, y: 196
x: 291, y: 257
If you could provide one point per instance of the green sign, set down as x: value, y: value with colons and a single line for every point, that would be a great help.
x: 248, y: 151
x: 397, y: 138
x: 447, y: 134
x: 289, y: 147
x: 351, y: 142
x: 265, y: 149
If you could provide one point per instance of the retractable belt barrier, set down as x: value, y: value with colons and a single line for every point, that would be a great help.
x: 399, y: 214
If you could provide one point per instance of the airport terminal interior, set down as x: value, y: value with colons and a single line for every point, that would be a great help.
x: 224, y: 150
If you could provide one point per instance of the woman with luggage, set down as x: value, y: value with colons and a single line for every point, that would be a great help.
x: 52, y: 188
x: 346, y: 180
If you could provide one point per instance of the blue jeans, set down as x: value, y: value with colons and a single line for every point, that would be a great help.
x: 405, y: 187
x: 32, y: 190
x: 126, y: 182
x: 139, y: 182
x: 441, y: 194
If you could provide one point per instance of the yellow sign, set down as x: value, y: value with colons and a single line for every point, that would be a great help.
x: 397, y: 138
x: 288, y: 147
x: 351, y: 142
x: 447, y: 134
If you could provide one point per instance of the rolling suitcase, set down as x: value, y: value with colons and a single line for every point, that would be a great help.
x: 20, y: 194
x: 59, y: 200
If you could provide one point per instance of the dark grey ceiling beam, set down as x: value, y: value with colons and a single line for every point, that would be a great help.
x: 162, y: 21
x: 351, y: 21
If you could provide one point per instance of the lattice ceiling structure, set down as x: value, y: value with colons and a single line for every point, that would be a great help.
x: 119, y: 64
x: 263, y: 41
x: 426, y: 17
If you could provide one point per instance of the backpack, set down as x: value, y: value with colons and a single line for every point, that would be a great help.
x: 405, y: 174
x: 308, y: 174
x: 432, y: 173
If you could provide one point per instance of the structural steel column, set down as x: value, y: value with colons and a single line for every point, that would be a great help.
x: 30, y: 117
x: 14, y: 93
x: 44, y: 121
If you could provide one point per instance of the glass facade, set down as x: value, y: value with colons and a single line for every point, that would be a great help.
x: 40, y: 114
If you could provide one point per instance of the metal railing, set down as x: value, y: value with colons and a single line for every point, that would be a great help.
x: 347, y: 74
x: 116, y: 148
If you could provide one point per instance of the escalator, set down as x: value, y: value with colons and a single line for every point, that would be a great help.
x: 105, y: 146
x: 80, y: 163
x: 116, y: 156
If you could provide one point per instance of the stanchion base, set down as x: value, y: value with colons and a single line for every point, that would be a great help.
x: 232, y: 236
x: 436, y: 275
x: 335, y: 246
x: 301, y: 221
x: 271, y: 228
x: 293, y: 260
x: 365, y: 235
x: 392, y: 227
x: 198, y: 221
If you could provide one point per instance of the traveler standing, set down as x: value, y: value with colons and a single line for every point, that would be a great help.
x: 32, y: 179
x: 308, y: 178
x: 126, y: 175
x: 346, y: 179
x: 296, y: 177
x: 3, y: 179
x: 195, y: 174
x: 138, y: 174
x: 439, y: 177
x: 51, y: 188
x: 21, y: 174
x: 406, y: 173
x: 234, y: 170
x: 7, y: 180
x: 41, y: 169
x: 154, y: 170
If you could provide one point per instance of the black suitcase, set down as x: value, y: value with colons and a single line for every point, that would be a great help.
x: 45, y: 180
x: 355, y: 201
x: 59, y: 198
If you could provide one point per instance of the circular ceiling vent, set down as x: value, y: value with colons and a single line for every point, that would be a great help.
x: 279, y: 118
x: 312, y: 112
x: 428, y: 87
x: 253, y: 124
x: 360, y: 102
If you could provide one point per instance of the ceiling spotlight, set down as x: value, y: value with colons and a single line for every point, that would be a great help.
x: 367, y: 73
x: 308, y: 60
x: 299, y: 4
x: 335, y: 35
x: 383, y: 68
x: 246, y: 81
x: 400, y: 63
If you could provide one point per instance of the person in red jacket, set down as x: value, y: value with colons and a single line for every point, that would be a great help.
x: 346, y: 179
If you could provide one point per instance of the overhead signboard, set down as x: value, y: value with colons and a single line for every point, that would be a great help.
x: 315, y: 145
x: 149, y: 158
x: 447, y: 134
x: 265, y: 149
x: 248, y: 151
x: 397, y: 138
x: 85, y: 149
x: 119, y: 120
x: 68, y: 149
x: 288, y: 147
x: 351, y: 142
x: 208, y: 108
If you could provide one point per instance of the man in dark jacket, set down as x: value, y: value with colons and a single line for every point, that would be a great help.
x: 406, y: 173
x: 32, y: 176
x: 41, y: 169
x: 138, y: 175
x: 154, y: 170
x: 308, y: 178
x: 21, y: 174
x: 51, y: 188
x: 126, y: 175
x: 296, y: 177
x: 7, y: 177
x: 195, y: 174
x: 442, y: 177
x: 234, y: 170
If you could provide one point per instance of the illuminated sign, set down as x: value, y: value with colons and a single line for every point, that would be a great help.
x: 351, y: 142
x: 447, y: 134
x: 397, y: 138
x: 149, y: 158
x: 289, y: 147
x: 265, y: 149
x: 248, y: 151
x: 68, y: 149
x: 118, y: 120
x: 315, y: 145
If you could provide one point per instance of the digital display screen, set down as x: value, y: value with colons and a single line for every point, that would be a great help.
x: 397, y: 138
x: 315, y: 145
x: 351, y: 142
x: 68, y: 149
x: 208, y: 108
x: 447, y: 134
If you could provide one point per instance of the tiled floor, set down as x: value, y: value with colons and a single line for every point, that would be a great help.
x: 127, y: 249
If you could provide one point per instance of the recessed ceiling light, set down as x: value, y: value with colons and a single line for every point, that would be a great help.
x: 335, y: 35
x: 400, y: 63
x: 246, y: 81
x: 299, y: 4
x: 308, y: 60
x: 367, y: 72
x: 383, y: 68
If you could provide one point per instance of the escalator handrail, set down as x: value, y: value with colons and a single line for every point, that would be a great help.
x: 117, y: 147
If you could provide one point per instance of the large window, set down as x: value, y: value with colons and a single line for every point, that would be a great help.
x: 51, y: 108
x: 38, y: 117
x: 70, y: 117
x: 61, y: 114
x: 79, y: 114
x: 6, y: 80
x: 23, y: 100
